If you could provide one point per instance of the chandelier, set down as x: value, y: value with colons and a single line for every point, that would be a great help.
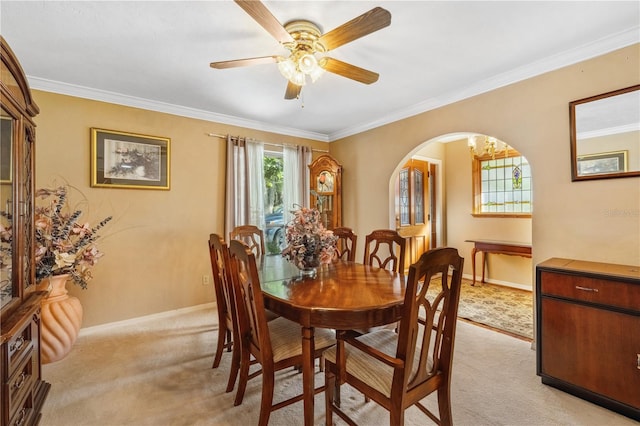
x: 490, y: 147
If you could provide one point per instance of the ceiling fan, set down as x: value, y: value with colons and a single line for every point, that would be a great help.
x: 304, y: 40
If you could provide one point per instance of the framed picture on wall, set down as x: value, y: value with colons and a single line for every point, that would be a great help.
x: 602, y: 163
x: 129, y: 160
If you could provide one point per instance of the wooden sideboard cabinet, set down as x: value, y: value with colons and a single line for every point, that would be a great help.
x: 588, y: 331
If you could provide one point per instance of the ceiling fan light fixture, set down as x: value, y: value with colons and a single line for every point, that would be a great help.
x: 298, y: 78
x: 316, y: 73
x: 287, y: 67
x: 296, y: 67
x: 307, y: 63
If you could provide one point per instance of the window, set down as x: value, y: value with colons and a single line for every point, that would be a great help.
x: 273, y: 202
x: 502, y: 186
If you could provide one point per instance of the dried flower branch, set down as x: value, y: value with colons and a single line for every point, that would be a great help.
x: 63, y: 245
x: 309, y: 243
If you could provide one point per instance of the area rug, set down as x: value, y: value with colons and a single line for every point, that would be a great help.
x: 505, y: 309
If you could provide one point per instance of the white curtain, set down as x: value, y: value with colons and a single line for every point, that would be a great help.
x: 257, y: 186
x: 295, y: 191
x: 244, y: 184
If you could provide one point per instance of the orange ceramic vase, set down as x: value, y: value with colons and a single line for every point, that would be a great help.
x: 61, y: 318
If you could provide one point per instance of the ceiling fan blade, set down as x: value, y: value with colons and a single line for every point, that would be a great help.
x: 293, y: 91
x: 349, y: 71
x: 262, y: 16
x: 244, y: 62
x: 371, y: 21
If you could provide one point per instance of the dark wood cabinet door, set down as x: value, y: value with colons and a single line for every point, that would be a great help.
x: 595, y: 349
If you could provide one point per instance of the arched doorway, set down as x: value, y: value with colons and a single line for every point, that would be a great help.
x: 456, y: 221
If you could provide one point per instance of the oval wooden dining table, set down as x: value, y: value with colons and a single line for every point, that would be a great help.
x: 342, y: 296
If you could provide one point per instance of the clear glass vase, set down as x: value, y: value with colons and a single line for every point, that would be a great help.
x: 309, y: 266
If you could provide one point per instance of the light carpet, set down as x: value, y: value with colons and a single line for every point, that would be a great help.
x: 157, y: 371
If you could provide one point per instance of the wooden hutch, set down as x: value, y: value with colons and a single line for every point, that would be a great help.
x: 23, y: 390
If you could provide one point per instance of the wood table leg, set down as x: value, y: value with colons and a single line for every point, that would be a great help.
x: 484, y: 262
x: 308, y: 383
x: 473, y: 264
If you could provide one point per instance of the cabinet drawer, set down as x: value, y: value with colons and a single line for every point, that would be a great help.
x: 20, y: 344
x: 24, y: 414
x: 592, y: 290
x: 21, y: 383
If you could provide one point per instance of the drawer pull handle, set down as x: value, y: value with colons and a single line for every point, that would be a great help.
x: 23, y: 416
x: 17, y: 345
x: 593, y: 290
x: 20, y: 383
x: 638, y: 361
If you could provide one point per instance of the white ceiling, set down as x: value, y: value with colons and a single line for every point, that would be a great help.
x: 156, y: 55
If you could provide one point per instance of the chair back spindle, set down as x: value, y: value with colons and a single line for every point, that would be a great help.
x: 346, y: 244
x: 385, y: 248
x: 252, y: 236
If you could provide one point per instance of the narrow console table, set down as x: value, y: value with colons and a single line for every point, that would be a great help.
x: 509, y: 248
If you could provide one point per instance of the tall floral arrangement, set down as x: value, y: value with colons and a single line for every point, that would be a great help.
x: 64, y: 245
x: 309, y: 243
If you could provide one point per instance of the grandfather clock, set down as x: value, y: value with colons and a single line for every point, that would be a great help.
x: 326, y: 190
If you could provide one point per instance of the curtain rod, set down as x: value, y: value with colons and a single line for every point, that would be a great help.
x: 217, y: 135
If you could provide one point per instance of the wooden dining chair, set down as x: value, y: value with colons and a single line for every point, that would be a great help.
x: 397, y: 370
x: 385, y: 248
x: 346, y: 244
x: 275, y: 345
x: 219, y: 253
x: 251, y: 235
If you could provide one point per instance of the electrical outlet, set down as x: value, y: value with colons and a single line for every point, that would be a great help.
x: 205, y: 280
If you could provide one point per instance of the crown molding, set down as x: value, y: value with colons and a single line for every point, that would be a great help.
x: 599, y: 47
x: 551, y: 63
x: 135, y: 102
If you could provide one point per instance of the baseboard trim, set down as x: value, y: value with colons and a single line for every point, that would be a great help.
x: 502, y: 283
x: 160, y: 315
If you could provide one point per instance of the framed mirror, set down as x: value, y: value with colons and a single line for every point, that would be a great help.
x: 605, y: 135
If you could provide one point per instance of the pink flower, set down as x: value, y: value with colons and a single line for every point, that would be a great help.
x: 82, y: 230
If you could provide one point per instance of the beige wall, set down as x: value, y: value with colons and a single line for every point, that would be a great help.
x: 155, y: 248
x: 459, y: 225
x: 594, y: 220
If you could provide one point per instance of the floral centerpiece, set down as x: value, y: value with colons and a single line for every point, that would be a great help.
x: 309, y: 243
x: 63, y: 244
